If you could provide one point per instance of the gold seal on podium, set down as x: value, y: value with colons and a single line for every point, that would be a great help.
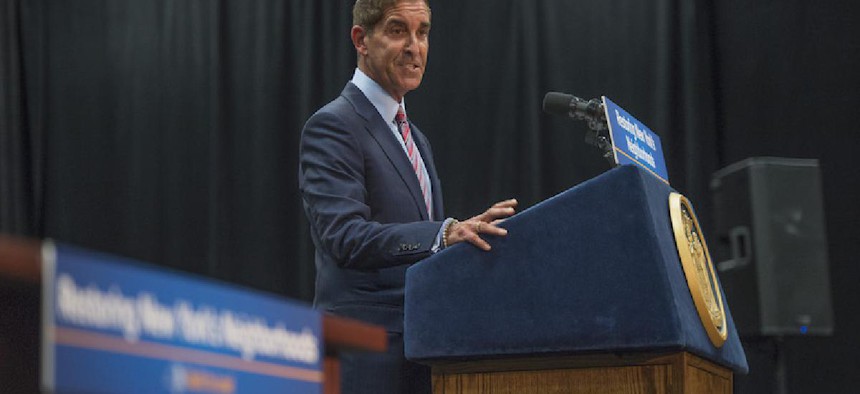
x: 698, y: 268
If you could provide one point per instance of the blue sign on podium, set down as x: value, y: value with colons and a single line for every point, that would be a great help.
x: 633, y: 142
x: 112, y: 325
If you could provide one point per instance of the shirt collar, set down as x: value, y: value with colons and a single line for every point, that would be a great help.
x: 381, y: 100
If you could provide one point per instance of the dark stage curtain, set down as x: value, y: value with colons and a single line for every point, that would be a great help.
x: 21, y: 120
x: 171, y: 127
x: 167, y: 130
x: 789, y: 77
x: 490, y: 68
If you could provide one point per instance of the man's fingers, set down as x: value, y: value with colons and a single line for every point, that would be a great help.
x: 496, y: 213
x: 479, y: 227
x: 506, y: 203
x: 501, y: 209
x: 485, y: 223
x: 492, y: 229
x: 474, y: 239
x: 471, y: 230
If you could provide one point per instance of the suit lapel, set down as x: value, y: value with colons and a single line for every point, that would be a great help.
x: 381, y: 133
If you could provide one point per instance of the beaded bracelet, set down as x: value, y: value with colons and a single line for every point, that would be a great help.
x: 445, y: 232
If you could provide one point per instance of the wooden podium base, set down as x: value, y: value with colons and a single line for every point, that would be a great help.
x: 673, y: 373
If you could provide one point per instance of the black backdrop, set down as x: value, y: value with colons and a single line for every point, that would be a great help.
x: 167, y: 130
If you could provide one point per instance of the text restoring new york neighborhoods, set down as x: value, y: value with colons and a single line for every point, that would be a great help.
x: 637, y: 134
x: 142, y: 314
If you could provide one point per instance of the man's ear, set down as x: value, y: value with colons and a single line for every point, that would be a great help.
x: 358, y: 35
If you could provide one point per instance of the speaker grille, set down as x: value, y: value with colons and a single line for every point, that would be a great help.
x: 771, y: 247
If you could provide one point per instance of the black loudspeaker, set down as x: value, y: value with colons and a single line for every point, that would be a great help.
x: 771, y: 246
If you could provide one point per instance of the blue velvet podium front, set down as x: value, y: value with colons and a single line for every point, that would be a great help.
x: 593, y: 271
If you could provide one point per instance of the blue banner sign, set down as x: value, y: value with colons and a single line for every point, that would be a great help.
x: 633, y: 142
x: 112, y: 325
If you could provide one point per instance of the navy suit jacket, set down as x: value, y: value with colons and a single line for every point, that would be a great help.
x: 366, y: 212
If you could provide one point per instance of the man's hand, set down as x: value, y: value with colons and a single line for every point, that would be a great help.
x: 484, y: 223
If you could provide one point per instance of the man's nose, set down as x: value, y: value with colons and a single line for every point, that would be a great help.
x: 411, y: 39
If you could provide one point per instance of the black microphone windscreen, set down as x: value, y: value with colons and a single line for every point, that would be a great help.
x: 557, y: 103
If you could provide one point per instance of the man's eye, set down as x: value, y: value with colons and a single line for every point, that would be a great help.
x: 397, y: 30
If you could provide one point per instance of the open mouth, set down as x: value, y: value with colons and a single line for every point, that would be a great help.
x: 409, y: 65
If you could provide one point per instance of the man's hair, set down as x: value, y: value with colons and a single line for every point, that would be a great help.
x: 367, y: 13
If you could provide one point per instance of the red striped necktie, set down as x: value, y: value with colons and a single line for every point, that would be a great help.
x: 415, y: 159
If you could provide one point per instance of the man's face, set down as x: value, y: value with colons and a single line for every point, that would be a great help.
x: 394, y: 53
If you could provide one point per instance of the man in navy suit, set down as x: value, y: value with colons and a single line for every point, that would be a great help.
x: 372, y: 194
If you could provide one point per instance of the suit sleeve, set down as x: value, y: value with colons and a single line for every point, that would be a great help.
x: 332, y: 184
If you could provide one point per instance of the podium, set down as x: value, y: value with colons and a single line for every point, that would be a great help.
x: 586, y: 293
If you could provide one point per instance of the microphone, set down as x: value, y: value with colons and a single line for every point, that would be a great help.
x: 591, y: 111
x: 565, y: 104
